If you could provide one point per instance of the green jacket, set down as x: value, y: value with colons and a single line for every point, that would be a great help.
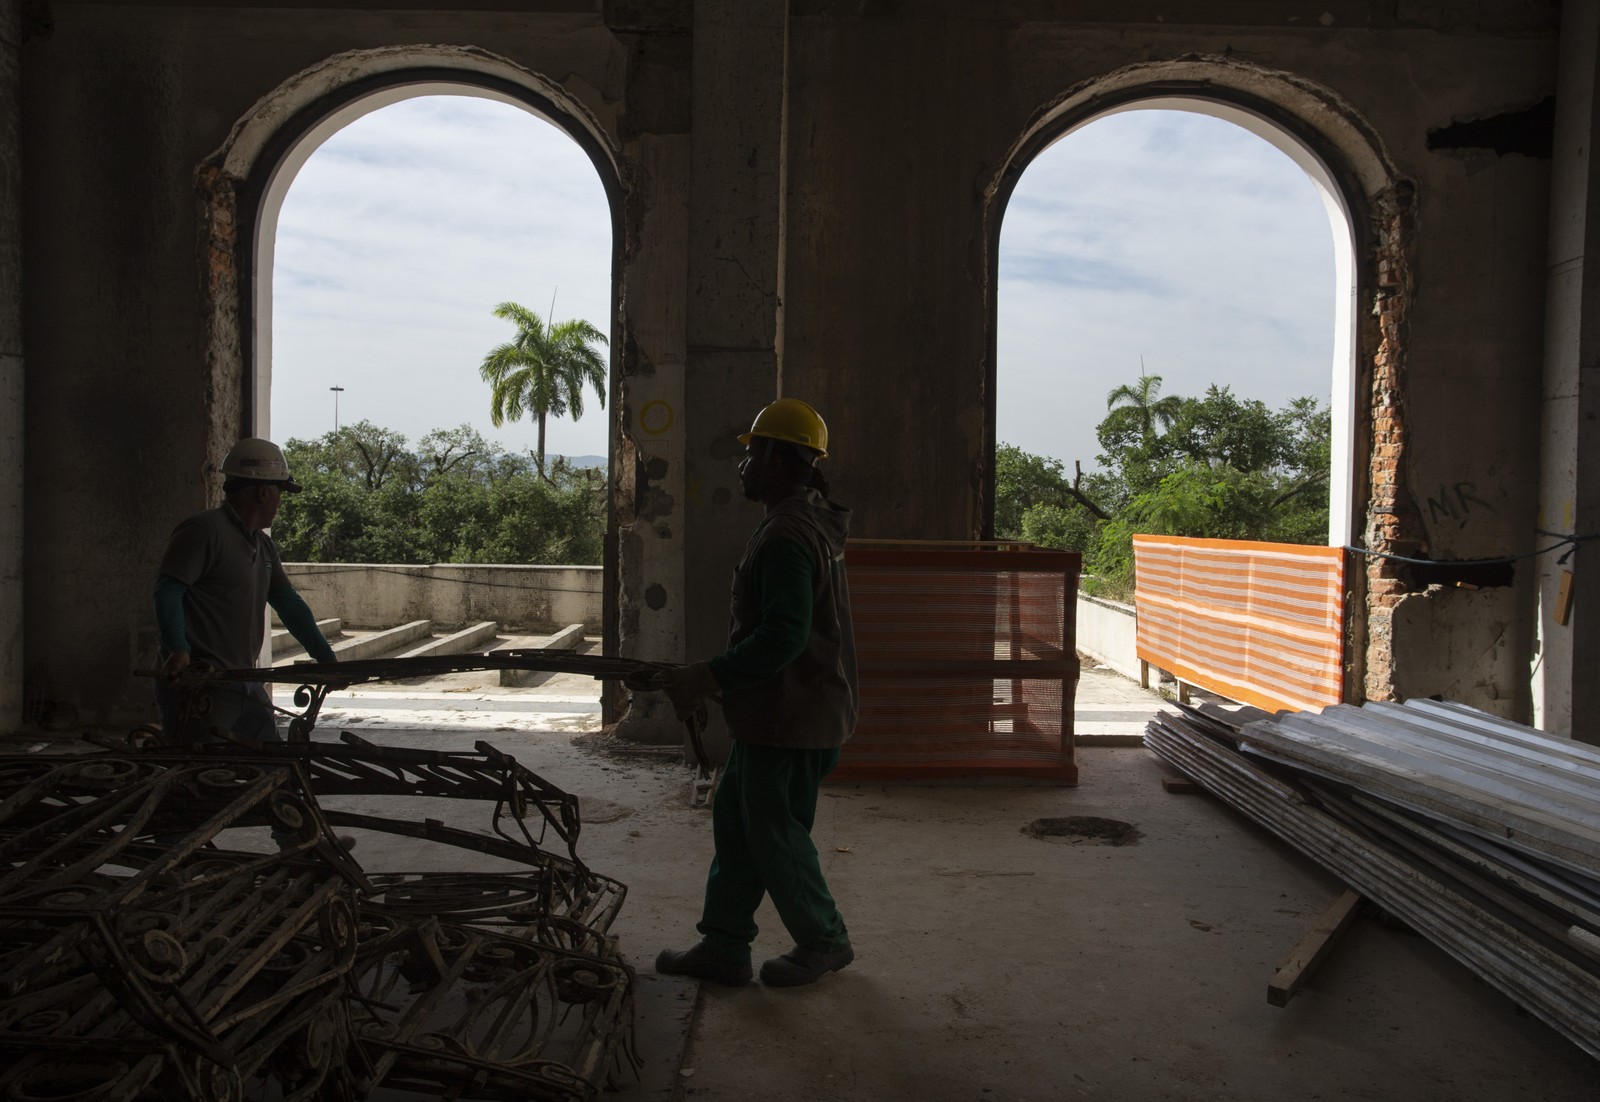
x: 788, y: 677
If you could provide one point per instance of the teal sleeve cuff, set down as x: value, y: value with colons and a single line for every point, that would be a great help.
x: 169, y: 614
x: 300, y: 620
x: 784, y: 576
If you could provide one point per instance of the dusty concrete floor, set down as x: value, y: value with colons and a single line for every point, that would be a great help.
x: 993, y: 966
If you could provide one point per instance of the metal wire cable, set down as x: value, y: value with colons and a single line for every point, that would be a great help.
x: 1505, y: 560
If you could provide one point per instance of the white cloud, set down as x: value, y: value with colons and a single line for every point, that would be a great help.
x: 1173, y: 236
x: 395, y: 243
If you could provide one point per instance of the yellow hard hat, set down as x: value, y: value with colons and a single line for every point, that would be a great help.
x: 792, y: 420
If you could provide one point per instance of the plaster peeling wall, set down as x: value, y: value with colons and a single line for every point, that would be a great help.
x: 1470, y: 389
x: 1393, y: 526
x: 734, y: 249
x: 655, y: 426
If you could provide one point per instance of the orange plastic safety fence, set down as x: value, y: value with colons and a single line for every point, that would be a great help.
x: 1260, y: 623
x: 967, y: 663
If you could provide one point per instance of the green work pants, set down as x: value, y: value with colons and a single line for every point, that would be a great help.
x: 761, y: 821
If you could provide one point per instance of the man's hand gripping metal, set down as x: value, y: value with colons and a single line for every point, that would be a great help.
x: 689, y: 688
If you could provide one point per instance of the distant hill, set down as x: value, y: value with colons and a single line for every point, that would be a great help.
x: 585, y: 460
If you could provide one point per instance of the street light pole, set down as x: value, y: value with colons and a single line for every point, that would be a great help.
x: 337, y: 390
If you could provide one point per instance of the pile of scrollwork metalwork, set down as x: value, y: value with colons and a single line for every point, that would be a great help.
x: 188, y: 925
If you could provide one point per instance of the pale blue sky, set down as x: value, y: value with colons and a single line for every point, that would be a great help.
x: 395, y: 243
x: 1178, y: 237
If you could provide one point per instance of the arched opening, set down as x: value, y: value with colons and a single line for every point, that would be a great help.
x: 1371, y: 209
x: 275, y: 182
x: 1246, y: 332
x: 245, y: 184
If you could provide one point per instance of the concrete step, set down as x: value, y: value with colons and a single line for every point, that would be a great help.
x: 381, y: 643
x: 284, y: 644
x: 461, y: 642
x: 568, y: 638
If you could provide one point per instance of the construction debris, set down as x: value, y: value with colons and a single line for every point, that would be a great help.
x: 314, y: 681
x: 1301, y: 962
x: 1482, y: 835
x: 187, y: 925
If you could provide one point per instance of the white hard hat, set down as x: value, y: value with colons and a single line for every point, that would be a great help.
x: 261, y: 461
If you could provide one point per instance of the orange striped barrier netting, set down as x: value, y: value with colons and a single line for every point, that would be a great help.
x: 1259, y: 623
x: 967, y: 662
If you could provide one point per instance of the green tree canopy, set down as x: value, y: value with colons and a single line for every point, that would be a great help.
x: 454, y: 498
x: 543, y: 371
x: 1217, y: 466
x: 1222, y: 429
x: 1036, y: 501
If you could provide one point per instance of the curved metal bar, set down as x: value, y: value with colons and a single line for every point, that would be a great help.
x: 633, y: 673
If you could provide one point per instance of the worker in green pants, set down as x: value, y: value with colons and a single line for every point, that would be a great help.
x: 788, y: 688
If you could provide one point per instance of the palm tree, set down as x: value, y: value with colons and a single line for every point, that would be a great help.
x: 544, y: 370
x: 1140, y: 399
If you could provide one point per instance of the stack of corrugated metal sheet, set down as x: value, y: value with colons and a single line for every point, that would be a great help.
x: 1481, y: 834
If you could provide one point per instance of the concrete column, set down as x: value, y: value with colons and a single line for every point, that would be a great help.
x: 1569, y: 499
x: 735, y: 257
x: 11, y: 473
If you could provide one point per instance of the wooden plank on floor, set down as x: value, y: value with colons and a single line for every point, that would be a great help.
x: 1312, y: 949
x: 1179, y: 785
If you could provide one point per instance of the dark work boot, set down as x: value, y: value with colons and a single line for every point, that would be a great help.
x: 703, y: 964
x: 802, y: 966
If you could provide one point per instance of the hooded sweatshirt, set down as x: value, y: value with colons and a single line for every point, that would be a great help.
x: 788, y: 677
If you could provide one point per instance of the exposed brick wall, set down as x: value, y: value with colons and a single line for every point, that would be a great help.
x: 1393, y: 523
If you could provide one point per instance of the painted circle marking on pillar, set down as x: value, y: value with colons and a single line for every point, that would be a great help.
x: 656, y: 417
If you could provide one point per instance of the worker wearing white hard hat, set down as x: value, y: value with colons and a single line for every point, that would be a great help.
x: 219, y: 573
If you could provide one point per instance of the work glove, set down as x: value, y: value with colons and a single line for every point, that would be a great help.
x: 689, y: 686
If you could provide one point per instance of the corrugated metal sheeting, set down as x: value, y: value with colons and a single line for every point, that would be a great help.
x: 1481, y: 834
x: 1261, y: 623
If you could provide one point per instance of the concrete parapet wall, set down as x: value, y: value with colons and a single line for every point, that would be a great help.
x: 1108, y: 632
x: 525, y: 598
x: 548, y: 598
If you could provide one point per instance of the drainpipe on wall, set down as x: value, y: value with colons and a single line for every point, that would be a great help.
x: 11, y: 459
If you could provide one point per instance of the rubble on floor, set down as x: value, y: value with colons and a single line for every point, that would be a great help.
x: 155, y: 942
